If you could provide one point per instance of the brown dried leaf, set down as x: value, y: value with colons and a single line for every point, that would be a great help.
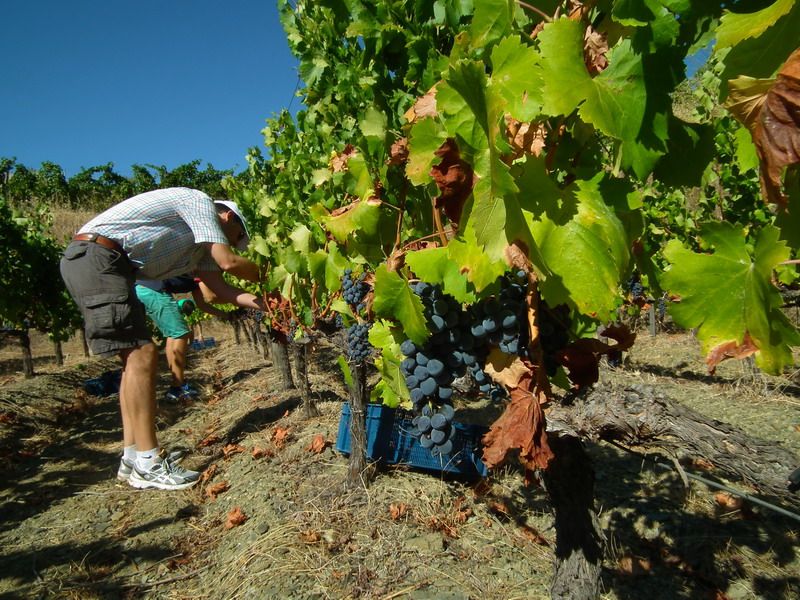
x: 728, y: 501
x: 231, y: 449
x: 454, y: 178
x: 212, y: 491
x: 397, y: 510
x: 318, y: 444
x: 524, y: 138
x: 280, y: 435
x: 632, y: 565
x: 581, y: 358
x: 398, y: 153
x: 730, y: 350
x: 504, y: 368
x: 521, y: 427
x: 208, y: 474
x: 425, y: 106
x: 595, y: 48
x: 338, y: 162
x: 310, y: 536
x: 258, y: 452
x: 533, y: 535
x: 773, y: 118
x: 209, y: 440
x: 500, y: 508
x: 235, y: 518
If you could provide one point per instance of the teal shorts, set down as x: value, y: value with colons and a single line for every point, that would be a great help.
x: 163, y: 309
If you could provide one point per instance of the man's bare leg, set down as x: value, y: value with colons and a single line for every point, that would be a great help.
x: 137, y: 396
x: 176, y: 359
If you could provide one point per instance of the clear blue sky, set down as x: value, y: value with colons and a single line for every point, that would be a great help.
x: 86, y: 82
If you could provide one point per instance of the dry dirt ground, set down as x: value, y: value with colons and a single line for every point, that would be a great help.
x: 70, y: 530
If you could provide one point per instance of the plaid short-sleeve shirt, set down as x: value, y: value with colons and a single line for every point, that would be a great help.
x: 163, y: 231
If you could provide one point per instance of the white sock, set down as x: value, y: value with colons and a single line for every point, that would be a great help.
x: 129, y: 453
x: 145, y: 459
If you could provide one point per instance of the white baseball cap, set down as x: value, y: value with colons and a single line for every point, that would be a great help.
x: 242, y: 245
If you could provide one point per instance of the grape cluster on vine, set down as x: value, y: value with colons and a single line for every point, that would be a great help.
x: 435, y: 429
x: 554, y: 324
x: 354, y: 289
x: 358, y: 346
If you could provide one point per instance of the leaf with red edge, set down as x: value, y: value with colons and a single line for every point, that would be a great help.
x: 730, y: 349
x: 581, y: 358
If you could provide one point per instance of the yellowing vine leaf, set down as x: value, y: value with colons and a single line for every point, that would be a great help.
x: 424, y: 107
x: 504, y: 368
x: 738, y: 284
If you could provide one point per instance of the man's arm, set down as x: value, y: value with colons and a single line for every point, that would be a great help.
x: 218, y: 290
x: 234, y: 264
x: 210, y: 309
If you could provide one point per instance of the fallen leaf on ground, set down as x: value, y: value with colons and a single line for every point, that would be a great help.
x: 318, y: 444
x: 309, y: 536
x: 280, y: 436
x: 231, y: 449
x: 208, y: 441
x: 215, y: 490
x: 632, y: 565
x: 729, y: 501
x: 259, y: 452
x: 208, y: 474
x: 397, y: 510
x: 235, y: 518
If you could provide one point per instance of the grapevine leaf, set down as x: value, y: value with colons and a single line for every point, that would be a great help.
x: 491, y: 22
x: 373, y: 125
x: 746, y: 155
x: 391, y: 388
x: 614, y: 101
x: 394, y: 299
x: 772, y: 119
x: 588, y: 275
x: 739, y: 287
x: 301, y: 239
x: 481, y: 270
x: 736, y: 27
x: 633, y: 13
x: 762, y: 56
x: 434, y: 265
x: 496, y: 215
x: 690, y: 150
x: 425, y: 138
x: 516, y: 79
x: 346, y: 372
x: 358, y: 178
x: 359, y: 216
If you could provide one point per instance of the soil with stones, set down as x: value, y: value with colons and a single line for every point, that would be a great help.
x: 271, y: 518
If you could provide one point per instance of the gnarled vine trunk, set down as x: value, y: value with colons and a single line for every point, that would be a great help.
x: 280, y: 359
x: 299, y: 355
x: 359, y: 472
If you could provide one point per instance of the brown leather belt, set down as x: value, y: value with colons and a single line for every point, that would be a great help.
x: 99, y: 239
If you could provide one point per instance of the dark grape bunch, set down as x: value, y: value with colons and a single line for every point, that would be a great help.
x: 554, y: 326
x: 435, y: 429
x: 358, y: 346
x: 254, y: 314
x: 354, y: 289
x: 635, y: 287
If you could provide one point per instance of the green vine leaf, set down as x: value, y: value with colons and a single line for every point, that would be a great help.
x: 473, y: 262
x: 614, y: 101
x: 359, y: 216
x: 737, y: 27
x: 589, y: 274
x: 434, y: 265
x: 391, y: 388
x: 491, y: 22
x: 425, y: 138
x: 737, y: 282
x: 516, y: 78
x: 394, y: 299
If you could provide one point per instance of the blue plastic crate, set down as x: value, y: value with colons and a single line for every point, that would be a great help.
x: 389, y: 440
x: 464, y: 459
x: 379, y: 424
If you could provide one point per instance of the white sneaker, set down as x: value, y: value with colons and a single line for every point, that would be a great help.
x: 163, y: 476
